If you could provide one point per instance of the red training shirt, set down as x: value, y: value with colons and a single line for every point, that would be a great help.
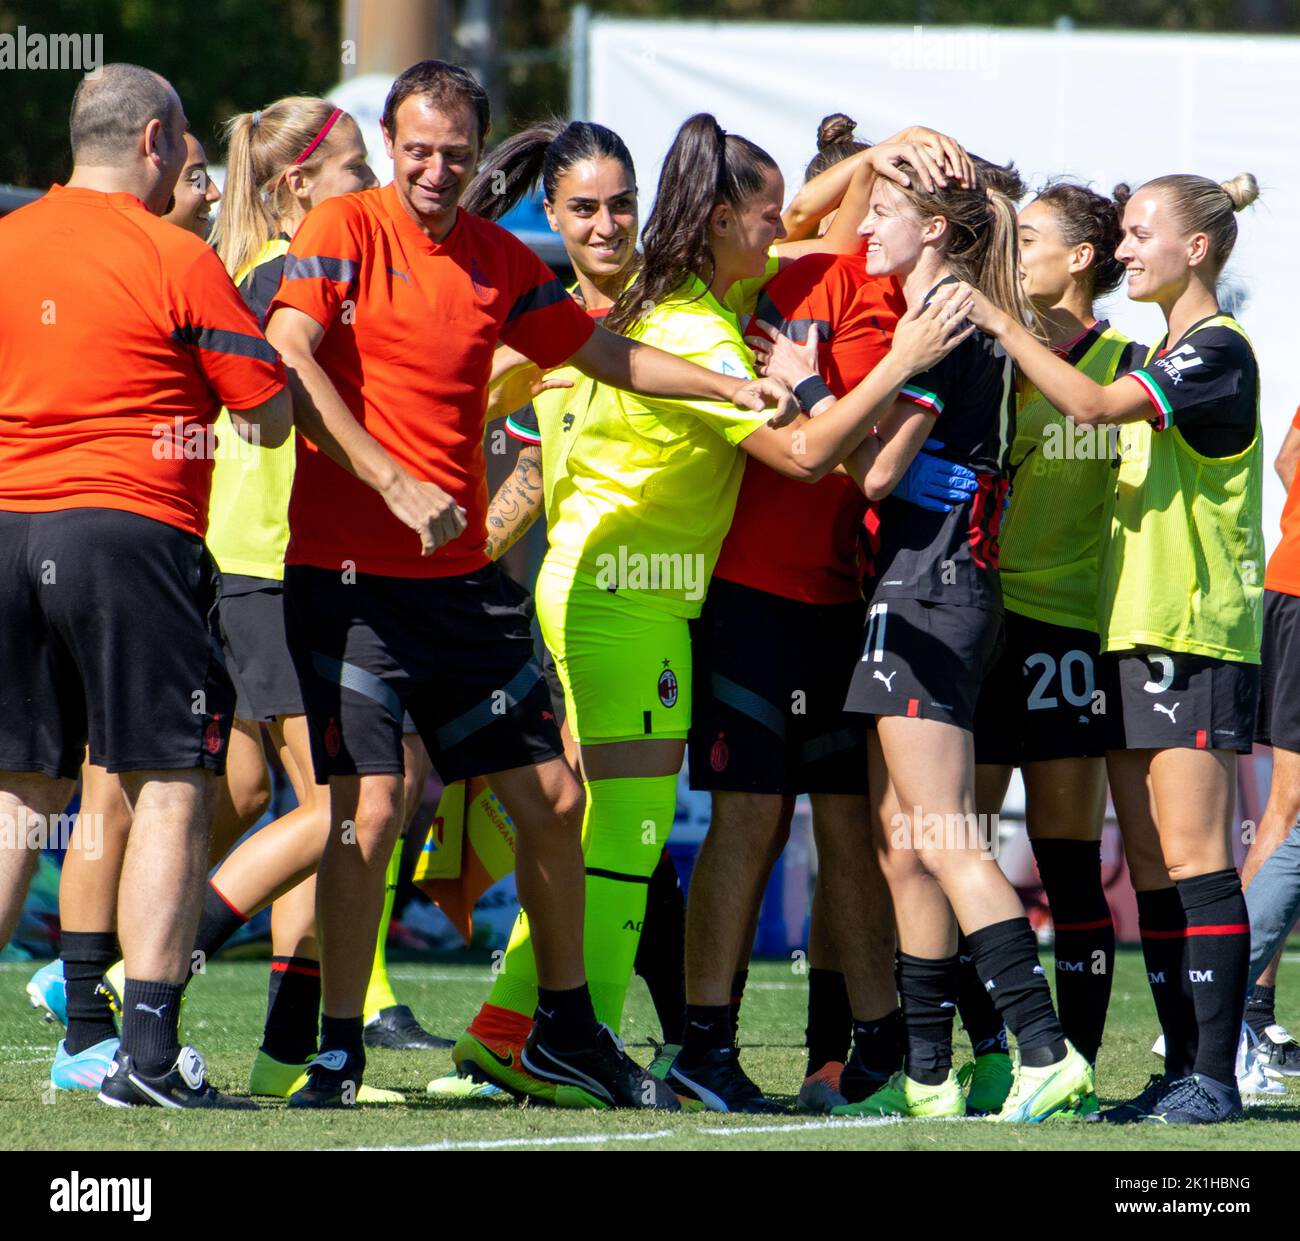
x: 410, y: 328
x: 1283, y: 571
x: 790, y: 538
x: 121, y: 336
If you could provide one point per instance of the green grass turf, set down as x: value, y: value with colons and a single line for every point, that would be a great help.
x: 224, y: 1020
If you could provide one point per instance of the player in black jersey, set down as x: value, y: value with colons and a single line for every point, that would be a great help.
x: 934, y: 626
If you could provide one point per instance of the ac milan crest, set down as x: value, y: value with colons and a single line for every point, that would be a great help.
x: 668, y: 686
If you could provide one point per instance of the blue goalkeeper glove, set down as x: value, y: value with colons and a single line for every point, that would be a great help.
x: 935, y: 484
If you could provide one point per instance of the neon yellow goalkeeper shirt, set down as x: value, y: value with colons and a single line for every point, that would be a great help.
x: 640, y: 490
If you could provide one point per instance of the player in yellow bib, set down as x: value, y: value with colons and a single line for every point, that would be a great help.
x: 1038, y: 708
x: 639, y: 494
x: 1180, y: 614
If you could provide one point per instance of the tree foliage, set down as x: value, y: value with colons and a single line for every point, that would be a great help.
x: 225, y: 56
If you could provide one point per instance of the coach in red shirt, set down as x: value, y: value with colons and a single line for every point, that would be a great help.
x: 121, y: 337
x: 391, y: 306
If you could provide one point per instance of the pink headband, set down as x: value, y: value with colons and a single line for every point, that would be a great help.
x: 320, y: 137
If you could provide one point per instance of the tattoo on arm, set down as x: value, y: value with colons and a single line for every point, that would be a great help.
x: 517, y: 503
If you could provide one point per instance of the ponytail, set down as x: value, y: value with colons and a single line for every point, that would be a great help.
x: 243, y: 225
x: 997, y: 268
x: 703, y: 167
x: 542, y: 153
x: 511, y: 172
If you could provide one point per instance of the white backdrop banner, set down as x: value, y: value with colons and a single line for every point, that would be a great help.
x: 1100, y: 108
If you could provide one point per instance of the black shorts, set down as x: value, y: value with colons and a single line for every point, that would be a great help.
x: 769, y: 679
x: 257, y: 651
x: 1040, y: 700
x: 925, y: 660
x: 454, y: 652
x: 1170, y: 700
x: 553, y: 687
x: 1278, y: 722
x: 109, y: 636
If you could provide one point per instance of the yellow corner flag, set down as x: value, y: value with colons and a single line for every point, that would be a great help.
x: 470, y: 846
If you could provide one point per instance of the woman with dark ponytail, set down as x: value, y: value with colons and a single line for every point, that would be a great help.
x: 1183, y: 522
x: 589, y: 193
x: 782, y: 627
x: 639, y: 493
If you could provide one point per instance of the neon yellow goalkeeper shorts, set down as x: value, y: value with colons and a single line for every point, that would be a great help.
x: 625, y: 665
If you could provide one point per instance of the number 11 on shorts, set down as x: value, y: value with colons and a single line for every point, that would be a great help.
x: 875, y: 644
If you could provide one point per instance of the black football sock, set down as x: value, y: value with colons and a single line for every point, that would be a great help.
x: 86, y: 955
x: 217, y: 923
x: 1085, y: 937
x: 979, y: 1018
x: 879, y: 1046
x: 830, y: 1019
x: 1005, y: 956
x: 661, y: 954
x: 708, y: 1028
x: 1218, y: 962
x: 738, y: 981
x: 292, y: 1009
x: 1259, y: 1009
x: 565, y: 1019
x: 344, y: 1034
x: 1162, y: 924
x: 928, y: 990
x: 150, y: 1016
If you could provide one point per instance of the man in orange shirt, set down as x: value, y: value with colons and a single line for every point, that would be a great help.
x: 392, y: 304
x: 121, y: 337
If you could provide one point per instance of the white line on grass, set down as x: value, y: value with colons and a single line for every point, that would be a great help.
x: 593, y: 1139
x: 578, y: 1139
x: 863, y: 1122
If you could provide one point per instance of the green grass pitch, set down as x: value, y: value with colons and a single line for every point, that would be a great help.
x: 224, y: 1020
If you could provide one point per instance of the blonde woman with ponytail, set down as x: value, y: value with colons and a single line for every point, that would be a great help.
x: 281, y: 161
x: 1184, y: 524
x: 934, y: 627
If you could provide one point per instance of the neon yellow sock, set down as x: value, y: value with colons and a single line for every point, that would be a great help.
x: 625, y: 828
x: 379, y: 991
